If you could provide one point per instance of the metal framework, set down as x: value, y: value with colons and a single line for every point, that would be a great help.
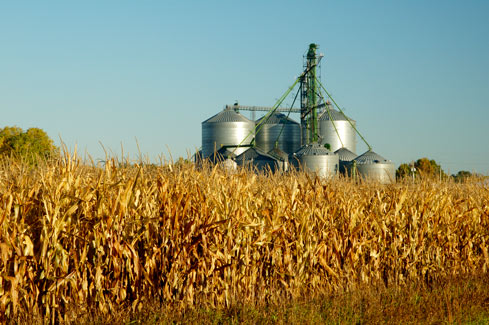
x: 309, y: 97
x: 312, y: 102
x: 238, y: 108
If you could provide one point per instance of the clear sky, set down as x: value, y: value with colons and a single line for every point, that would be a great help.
x: 413, y: 74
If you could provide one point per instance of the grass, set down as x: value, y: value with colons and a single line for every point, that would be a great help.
x: 457, y: 300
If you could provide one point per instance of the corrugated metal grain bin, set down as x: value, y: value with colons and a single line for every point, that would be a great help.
x: 278, y: 127
x: 317, y: 159
x: 227, y: 128
x: 373, y: 166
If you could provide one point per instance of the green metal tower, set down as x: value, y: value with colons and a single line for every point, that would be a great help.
x: 309, y: 97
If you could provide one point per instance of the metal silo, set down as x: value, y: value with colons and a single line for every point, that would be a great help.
x: 346, y: 132
x: 344, y: 156
x: 371, y: 165
x: 221, y: 155
x: 316, y: 158
x: 278, y: 124
x: 282, y: 158
x: 254, y: 157
x: 227, y: 128
x: 197, y: 158
x: 228, y: 165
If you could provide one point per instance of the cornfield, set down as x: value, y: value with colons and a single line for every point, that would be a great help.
x: 99, y: 237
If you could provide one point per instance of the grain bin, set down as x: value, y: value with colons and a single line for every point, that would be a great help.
x: 197, y: 158
x: 371, y: 165
x: 278, y: 127
x: 346, y: 132
x: 282, y: 158
x: 221, y: 155
x: 227, y: 128
x: 344, y: 156
x: 316, y: 158
x: 224, y: 157
x: 256, y: 158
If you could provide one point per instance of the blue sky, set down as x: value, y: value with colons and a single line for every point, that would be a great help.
x: 413, y: 74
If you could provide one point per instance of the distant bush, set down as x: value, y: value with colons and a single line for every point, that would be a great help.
x: 29, y: 145
x: 464, y: 175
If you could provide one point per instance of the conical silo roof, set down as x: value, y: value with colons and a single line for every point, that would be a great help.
x: 335, y: 115
x: 277, y: 118
x: 227, y: 115
x: 312, y: 149
x: 345, y: 154
x: 370, y: 157
x: 226, y: 152
x: 259, y: 160
x: 222, y: 154
x: 253, y: 153
x: 371, y: 165
x: 279, y: 154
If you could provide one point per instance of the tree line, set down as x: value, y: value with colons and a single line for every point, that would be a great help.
x: 428, y: 168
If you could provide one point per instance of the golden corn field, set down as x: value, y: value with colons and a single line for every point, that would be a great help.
x: 77, y: 237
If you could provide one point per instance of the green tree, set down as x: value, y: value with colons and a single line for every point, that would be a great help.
x: 26, y: 145
x: 404, y: 170
x: 461, y: 176
x: 424, y: 167
x: 7, y: 136
x: 428, y: 168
